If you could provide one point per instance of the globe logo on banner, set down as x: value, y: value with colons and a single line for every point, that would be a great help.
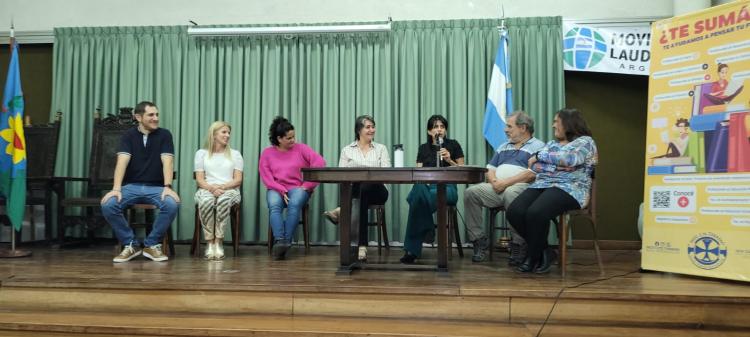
x: 583, y: 48
x: 707, y: 251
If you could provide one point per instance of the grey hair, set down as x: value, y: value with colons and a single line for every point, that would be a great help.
x: 523, y: 119
x: 359, y: 124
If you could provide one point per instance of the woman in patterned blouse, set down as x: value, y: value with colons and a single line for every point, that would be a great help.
x: 563, y: 182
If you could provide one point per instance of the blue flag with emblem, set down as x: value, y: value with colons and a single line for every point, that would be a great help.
x: 13, y: 158
x: 499, y: 97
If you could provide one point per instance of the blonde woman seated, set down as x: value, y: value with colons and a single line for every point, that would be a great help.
x: 218, y: 172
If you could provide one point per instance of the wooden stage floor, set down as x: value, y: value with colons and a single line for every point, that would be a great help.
x: 85, y: 280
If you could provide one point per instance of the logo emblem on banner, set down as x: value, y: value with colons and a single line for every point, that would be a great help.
x: 583, y: 48
x: 707, y: 251
x: 623, y: 48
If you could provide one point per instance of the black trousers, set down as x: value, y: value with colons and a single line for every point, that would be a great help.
x: 369, y: 194
x: 531, y: 212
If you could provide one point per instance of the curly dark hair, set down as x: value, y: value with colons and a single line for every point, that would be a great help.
x: 279, y: 128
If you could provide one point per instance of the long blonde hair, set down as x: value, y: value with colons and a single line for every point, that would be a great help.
x: 208, y: 145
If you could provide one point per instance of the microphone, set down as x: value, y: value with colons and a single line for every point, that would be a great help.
x: 440, y: 147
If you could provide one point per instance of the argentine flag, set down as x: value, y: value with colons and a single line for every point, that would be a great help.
x: 499, y: 97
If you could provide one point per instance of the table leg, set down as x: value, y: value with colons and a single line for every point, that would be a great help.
x: 346, y: 252
x: 60, y: 214
x: 442, y: 226
x: 59, y: 188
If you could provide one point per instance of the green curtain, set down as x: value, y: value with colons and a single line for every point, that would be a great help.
x: 107, y: 68
x: 537, y: 69
x: 320, y: 82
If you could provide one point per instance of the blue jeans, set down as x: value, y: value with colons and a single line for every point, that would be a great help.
x: 422, y: 201
x: 284, y: 228
x: 140, y: 194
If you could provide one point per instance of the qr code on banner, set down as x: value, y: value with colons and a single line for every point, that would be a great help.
x: 660, y: 199
x: 670, y: 199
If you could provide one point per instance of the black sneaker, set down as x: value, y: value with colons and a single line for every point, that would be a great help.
x: 408, y: 258
x: 517, y: 253
x: 429, y: 237
x: 481, y: 250
x: 280, y: 248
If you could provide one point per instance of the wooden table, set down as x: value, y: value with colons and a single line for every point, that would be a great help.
x: 346, y: 177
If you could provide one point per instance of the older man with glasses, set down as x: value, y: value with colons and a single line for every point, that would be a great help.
x: 507, y: 176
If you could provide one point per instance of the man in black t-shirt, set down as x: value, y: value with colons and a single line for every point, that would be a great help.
x: 143, y: 175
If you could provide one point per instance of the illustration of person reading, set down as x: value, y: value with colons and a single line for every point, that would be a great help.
x: 677, y: 159
x: 724, y: 91
x: 677, y: 146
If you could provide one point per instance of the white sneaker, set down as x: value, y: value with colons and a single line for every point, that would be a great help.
x: 362, y: 254
x: 219, y: 251
x: 209, y: 251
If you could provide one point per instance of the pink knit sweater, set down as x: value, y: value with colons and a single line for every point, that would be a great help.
x: 281, y: 171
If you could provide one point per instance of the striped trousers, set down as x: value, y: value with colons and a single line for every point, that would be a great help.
x: 214, y: 211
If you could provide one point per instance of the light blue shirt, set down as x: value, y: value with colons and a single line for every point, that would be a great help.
x: 508, y: 154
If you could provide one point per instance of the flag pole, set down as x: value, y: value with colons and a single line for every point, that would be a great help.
x: 501, y: 28
x: 505, y: 236
x: 13, y: 252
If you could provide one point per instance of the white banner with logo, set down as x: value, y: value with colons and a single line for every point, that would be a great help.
x: 623, y: 48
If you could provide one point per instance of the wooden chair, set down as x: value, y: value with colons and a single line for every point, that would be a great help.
x: 381, y: 226
x: 504, y: 227
x: 453, y: 232
x: 167, y: 245
x: 41, y: 150
x: 589, y: 212
x: 104, y: 144
x: 304, y: 221
x: 234, y: 221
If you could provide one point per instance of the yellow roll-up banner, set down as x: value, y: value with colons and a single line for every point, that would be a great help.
x: 697, y: 183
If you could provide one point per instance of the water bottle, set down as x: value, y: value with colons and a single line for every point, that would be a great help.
x: 398, y: 155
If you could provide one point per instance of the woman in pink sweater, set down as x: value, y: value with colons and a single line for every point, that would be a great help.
x: 280, y: 169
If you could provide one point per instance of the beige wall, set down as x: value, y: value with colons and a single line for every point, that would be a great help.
x: 43, y: 15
